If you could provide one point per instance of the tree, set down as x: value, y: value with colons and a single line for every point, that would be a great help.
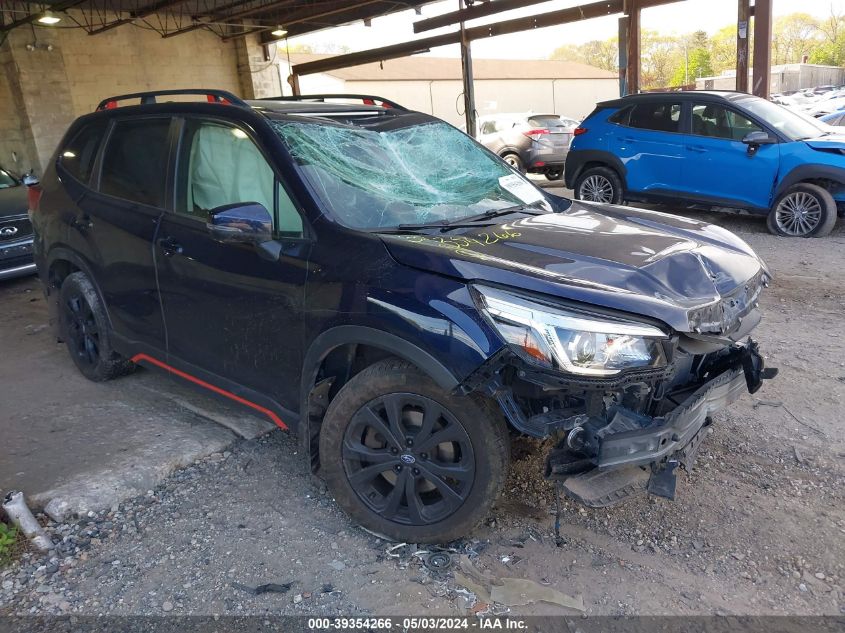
x: 723, y: 49
x: 601, y: 54
x: 793, y: 36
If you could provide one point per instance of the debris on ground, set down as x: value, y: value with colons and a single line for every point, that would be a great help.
x: 509, y: 592
x: 269, y: 587
x: 19, y: 513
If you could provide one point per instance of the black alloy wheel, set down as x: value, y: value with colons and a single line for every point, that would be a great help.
x: 408, y: 459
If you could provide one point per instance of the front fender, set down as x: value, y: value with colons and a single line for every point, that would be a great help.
x: 811, y: 172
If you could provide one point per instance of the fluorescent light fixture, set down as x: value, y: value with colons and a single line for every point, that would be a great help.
x: 69, y: 154
x: 48, y: 18
x: 279, y: 31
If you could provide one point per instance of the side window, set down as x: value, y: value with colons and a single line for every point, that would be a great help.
x: 661, y: 116
x: 135, y: 161
x: 77, y: 157
x: 717, y: 121
x: 621, y: 117
x: 488, y: 127
x: 219, y: 165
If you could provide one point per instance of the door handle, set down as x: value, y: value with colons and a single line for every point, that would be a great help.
x: 83, y: 222
x: 696, y: 148
x: 627, y: 139
x: 170, y: 247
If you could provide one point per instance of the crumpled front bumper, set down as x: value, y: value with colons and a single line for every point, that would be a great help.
x: 675, y: 430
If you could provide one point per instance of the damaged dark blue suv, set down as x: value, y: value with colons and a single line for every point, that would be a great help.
x: 377, y: 281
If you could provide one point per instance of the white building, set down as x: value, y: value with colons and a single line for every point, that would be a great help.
x: 433, y: 84
x: 785, y: 78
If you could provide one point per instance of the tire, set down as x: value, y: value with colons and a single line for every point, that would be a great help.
x: 803, y: 210
x: 599, y: 184
x: 84, y: 327
x: 362, y: 463
x: 514, y: 161
x: 554, y: 174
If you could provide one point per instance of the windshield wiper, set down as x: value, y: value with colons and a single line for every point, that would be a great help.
x: 468, y: 222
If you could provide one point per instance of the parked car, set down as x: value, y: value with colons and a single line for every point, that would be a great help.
x: 723, y: 149
x: 836, y: 119
x: 379, y: 282
x: 15, y: 228
x: 535, y: 143
x: 827, y: 106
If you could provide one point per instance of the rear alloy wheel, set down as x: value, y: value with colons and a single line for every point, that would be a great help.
x: 408, y: 460
x: 84, y: 328
x: 514, y: 161
x: 599, y: 184
x: 804, y: 210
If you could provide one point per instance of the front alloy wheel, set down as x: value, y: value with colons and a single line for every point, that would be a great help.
x: 596, y: 188
x: 803, y: 210
x: 410, y: 460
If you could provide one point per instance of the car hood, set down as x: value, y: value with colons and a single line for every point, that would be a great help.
x: 695, y: 277
x: 13, y: 201
x: 830, y: 141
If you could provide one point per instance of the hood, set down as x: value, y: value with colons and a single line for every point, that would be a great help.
x: 828, y: 142
x: 13, y: 201
x: 695, y: 277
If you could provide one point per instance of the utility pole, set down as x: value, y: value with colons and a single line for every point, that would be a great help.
x: 742, y: 44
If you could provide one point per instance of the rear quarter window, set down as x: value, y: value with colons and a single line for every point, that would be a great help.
x: 78, y: 156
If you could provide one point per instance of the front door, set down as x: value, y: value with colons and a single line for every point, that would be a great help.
x: 232, y: 311
x: 718, y: 167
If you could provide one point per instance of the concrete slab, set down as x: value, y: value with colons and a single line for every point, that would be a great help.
x: 78, y: 445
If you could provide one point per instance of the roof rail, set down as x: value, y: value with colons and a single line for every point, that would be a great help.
x: 366, y: 99
x: 147, y: 98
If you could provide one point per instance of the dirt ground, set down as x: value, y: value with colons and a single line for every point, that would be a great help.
x: 757, y: 528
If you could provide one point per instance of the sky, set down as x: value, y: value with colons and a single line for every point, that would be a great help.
x: 681, y: 17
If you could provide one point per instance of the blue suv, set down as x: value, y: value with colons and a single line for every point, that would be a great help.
x: 718, y: 149
x: 380, y: 283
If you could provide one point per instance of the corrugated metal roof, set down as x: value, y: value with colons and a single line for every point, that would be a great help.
x: 433, y: 68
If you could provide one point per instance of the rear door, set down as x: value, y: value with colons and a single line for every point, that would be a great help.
x: 233, y: 311
x: 114, y: 221
x: 649, y: 142
x: 718, y: 167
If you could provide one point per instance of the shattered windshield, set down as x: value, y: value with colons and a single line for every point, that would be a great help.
x: 420, y: 174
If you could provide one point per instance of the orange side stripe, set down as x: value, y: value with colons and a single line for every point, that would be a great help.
x: 228, y: 394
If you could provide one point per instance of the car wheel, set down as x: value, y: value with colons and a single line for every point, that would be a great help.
x: 554, y: 174
x: 84, y: 328
x: 514, y: 161
x: 408, y: 460
x: 599, y: 184
x: 803, y: 210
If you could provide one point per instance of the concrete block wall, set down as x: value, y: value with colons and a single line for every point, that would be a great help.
x: 43, y: 88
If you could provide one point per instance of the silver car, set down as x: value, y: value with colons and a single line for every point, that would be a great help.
x: 535, y: 143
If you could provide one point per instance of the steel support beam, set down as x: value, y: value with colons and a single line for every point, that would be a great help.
x: 466, y: 76
x: 743, y: 31
x: 143, y: 12
x: 632, y: 71
x: 470, y: 13
x: 56, y: 8
x: 762, y: 74
x: 623, y: 56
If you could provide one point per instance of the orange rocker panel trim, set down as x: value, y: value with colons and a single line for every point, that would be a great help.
x: 144, y: 358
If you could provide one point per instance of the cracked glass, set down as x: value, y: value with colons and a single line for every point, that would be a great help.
x: 426, y: 173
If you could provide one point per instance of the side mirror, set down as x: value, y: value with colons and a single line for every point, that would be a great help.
x: 755, y: 139
x: 241, y: 223
x: 30, y: 179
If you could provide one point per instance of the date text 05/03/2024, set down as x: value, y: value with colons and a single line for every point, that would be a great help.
x: 416, y: 624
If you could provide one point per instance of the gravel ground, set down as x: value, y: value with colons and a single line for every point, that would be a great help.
x: 757, y: 528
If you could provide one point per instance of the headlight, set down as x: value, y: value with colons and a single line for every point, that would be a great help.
x: 570, y: 341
